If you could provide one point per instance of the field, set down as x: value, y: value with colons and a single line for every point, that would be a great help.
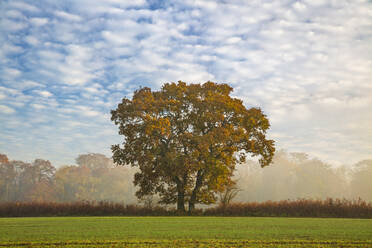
x: 184, y: 232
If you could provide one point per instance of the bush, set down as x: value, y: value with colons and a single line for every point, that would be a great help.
x: 339, y: 208
x: 298, y: 208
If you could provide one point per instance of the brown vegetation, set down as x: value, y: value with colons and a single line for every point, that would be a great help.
x: 336, y: 208
x: 82, y: 208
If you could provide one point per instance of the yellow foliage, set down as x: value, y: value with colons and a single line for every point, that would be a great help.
x: 187, y: 138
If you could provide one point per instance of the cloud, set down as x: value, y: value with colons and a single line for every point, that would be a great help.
x: 32, y: 40
x: 43, y: 93
x: 11, y: 72
x: 117, y: 39
x: 14, y: 14
x: 39, y: 21
x: 12, y: 26
x: 111, y: 7
x: 68, y: 16
x: 305, y: 63
x: 22, y: 6
x: 38, y: 106
x: 6, y: 110
x: 10, y: 48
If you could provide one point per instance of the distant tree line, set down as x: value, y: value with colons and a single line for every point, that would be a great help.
x: 94, y: 178
x: 296, y: 175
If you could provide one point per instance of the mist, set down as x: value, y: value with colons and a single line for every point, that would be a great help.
x: 295, y: 175
x: 95, y: 177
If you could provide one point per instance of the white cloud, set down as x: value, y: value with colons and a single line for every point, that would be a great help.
x: 2, y: 96
x: 68, y: 16
x: 32, y: 40
x: 11, y: 72
x: 305, y: 63
x: 30, y: 84
x: 39, y: 21
x: 6, y: 110
x: 91, y: 113
x: 14, y: 14
x: 234, y: 40
x: 48, y: 55
x: 112, y: 7
x: 299, y: 6
x: 12, y: 26
x: 23, y: 6
x: 9, y: 91
x: 118, y: 39
x: 316, y: 2
x: 10, y: 48
x: 38, y: 106
x: 43, y: 93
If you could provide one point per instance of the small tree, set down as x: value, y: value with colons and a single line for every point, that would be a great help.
x: 230, y: 192
x: 187, y: 139
x: 147, y: 201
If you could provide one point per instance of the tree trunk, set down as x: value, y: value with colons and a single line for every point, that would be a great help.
x: 181, y: 202
x: 198, y: 184
x: 7, y: 192
x: 180, y: 195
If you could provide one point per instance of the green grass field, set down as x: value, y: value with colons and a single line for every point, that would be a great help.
x: 184, y: 232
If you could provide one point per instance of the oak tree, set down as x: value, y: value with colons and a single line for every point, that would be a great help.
x: 186, y: 140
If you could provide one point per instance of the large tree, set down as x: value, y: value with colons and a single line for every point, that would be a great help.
x: 186, y: 140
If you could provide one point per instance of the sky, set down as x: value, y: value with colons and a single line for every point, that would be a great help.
x: 65, y: 64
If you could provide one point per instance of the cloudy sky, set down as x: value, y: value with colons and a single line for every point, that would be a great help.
x: 65, y: 64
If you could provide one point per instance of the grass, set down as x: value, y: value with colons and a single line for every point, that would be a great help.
x: 185, y: 232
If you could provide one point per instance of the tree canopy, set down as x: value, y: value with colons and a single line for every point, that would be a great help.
x: 186, y: 140
x: 94, y: 178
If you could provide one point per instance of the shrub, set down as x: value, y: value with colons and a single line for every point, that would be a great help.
x: 288, y: 208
